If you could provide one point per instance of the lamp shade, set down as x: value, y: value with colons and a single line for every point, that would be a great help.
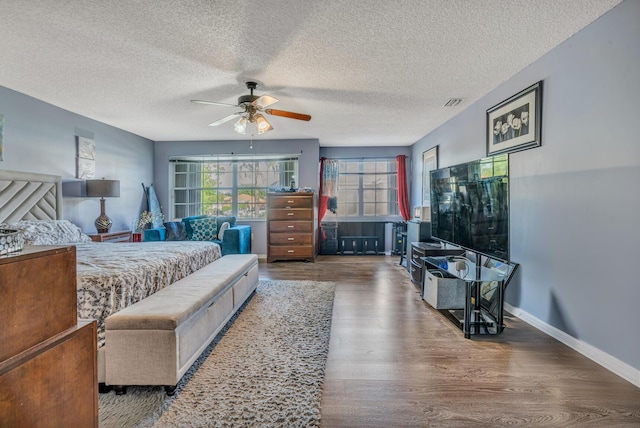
x: 263, y: 124
x: 241, y: 125
x: 103, y: 188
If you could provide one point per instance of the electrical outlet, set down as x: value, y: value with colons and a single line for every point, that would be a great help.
x: 252, y: 236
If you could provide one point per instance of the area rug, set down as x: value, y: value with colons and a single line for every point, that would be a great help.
x: 265, y: 368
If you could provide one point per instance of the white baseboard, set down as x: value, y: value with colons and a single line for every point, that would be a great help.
x: 607, y: 361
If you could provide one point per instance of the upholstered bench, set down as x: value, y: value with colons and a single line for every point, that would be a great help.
x: 156, y: 340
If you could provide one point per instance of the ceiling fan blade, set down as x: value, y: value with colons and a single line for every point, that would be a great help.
x: 264, y: 101
x: 213, y: 103
x: 289, y: 114
x: 226, y: 119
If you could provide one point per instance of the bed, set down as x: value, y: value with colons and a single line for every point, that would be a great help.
x: 110, y: 276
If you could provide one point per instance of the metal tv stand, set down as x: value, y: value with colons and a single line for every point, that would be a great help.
x: 485, y: 281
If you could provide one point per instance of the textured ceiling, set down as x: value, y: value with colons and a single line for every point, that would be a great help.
x: 369, y: 72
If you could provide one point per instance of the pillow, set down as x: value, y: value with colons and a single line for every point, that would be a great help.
x: 204, y: 229
x: 224, y: 227
x: 49, y: 232
x: 228, y: 218
x: 187, y: 223
x: 176, y: 231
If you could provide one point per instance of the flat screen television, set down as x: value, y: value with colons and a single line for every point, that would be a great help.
x: 470, y: 206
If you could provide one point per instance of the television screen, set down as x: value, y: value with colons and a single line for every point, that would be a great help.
x: 470, y: 206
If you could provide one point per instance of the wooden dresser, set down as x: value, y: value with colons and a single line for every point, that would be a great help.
x: 290, y: 226
x: 48, y: 360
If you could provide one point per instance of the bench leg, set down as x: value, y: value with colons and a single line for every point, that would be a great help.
x: 120, y: 389
x: 170, y: 390
x: 103, y: 389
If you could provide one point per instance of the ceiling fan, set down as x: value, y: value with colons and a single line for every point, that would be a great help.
x: 252, y: 107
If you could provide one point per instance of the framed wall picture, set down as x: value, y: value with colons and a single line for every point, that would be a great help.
x: 86, y: 160
x: 515, y: 124
x: 429, y: 163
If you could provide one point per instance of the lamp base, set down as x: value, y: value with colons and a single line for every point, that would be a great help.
x: 103, y: 223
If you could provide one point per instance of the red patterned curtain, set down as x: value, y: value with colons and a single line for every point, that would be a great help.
x: 403, y: 193
x: 322, y: 199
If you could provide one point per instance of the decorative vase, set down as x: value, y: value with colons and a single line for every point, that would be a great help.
x: 136, y: 237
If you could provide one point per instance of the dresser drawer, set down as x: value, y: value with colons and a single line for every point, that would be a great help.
x: 416, y: 273
x: 416, y: 254
x: 291, y: 214
x: 289, y: 201
x: 296, y: 251
x: 32, y: 312
x: 291, y: 239
x: 291, y: 226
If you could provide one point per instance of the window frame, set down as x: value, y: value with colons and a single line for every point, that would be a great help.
x: 392, y: 192
x: 193, y: 202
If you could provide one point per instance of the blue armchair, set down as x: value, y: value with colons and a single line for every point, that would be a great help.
x: 236, y: 238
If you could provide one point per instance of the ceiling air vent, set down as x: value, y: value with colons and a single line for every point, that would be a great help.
x: 453, y: 102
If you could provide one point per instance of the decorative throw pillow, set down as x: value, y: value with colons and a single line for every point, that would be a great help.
x: 231, y: 219
x: 187, y: 223
x: 224, y: 227
x: 176, y: 231
x: 204, y: 229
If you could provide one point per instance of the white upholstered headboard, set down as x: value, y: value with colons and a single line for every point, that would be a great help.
x: 29, y: 196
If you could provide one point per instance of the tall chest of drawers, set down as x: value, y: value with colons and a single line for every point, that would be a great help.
x: 290, y: 226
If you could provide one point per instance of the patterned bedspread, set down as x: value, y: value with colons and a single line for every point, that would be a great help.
x: 113, y: 276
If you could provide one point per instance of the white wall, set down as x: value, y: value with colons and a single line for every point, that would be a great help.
x: 41, y: 138
x: 574, y: 200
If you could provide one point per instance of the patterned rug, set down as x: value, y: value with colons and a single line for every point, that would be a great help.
x: 264, y: 369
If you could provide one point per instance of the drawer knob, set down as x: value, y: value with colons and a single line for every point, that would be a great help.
x: 290, y: 239
x: 289, y: 213
x: 290, y: 251
x: 290, y: 202
x: 291, y: 226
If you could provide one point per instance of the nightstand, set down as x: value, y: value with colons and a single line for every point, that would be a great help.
x: 122, y: 236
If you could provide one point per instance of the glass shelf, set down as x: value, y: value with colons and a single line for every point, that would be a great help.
x: 484, y: 290
x: 467, y: 270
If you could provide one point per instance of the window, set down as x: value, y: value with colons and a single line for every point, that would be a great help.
x: 367, y: 188
x: 228, y: 185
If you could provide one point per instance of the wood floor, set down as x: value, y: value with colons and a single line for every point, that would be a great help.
x: 395, y: 362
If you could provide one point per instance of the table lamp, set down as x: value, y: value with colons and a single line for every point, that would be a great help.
x: 103, y: 189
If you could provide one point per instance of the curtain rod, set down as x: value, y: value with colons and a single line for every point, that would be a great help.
x: 363, y: 157
x: 232, y: 156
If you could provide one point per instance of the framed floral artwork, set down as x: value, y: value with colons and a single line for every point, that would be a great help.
x: 515, y: 124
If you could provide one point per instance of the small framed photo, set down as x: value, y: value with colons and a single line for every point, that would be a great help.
x: 515, y: 124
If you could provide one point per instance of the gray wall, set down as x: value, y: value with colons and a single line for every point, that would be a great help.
x: 574, y: 200
x: 308, y: 168
x: 41, y: 138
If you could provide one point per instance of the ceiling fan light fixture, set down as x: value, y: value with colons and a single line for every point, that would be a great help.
x: 241, y: 126
x: 252, y: 107
x: 262, y: 124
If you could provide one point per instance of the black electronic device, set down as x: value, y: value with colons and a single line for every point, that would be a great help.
x: 470, y: 206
